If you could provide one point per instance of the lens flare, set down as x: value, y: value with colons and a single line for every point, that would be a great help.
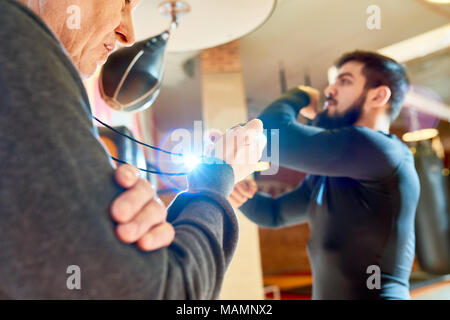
x: 191, y: 161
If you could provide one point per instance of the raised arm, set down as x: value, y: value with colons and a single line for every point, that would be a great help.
x: 355, y: 152
x: 284, y: 210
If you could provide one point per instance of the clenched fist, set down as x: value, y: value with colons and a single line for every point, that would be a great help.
x: 241, y: 147
x: 242, y: 191
x: 311, y: 110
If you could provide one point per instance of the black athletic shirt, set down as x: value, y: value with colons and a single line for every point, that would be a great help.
x: 359, y: 199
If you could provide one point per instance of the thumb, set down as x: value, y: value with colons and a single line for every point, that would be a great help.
x: 252, y: 130
x: 255, y: 125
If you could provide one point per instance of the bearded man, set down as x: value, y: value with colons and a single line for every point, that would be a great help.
x: 361, y: 191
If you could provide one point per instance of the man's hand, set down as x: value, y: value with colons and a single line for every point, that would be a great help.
x: 140, y: 215
x: 311, y: 110
x: 241, y: 147
x: 242, y: 191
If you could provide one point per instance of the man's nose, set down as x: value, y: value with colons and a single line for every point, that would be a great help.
x: 125, y: 31
x: 330, y: 91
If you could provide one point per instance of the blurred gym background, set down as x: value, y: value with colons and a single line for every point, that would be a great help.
x: 276, y: 45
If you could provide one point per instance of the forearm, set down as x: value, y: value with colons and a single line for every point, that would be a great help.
x: 204, y: 219
x: 352, y: 151
x: 284, y: 210
x: 285, y: 109
x: 205, y: 241
x: 290, y: 139
x: 261, y: 210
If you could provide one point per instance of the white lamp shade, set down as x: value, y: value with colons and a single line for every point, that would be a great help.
x: 210, y: 22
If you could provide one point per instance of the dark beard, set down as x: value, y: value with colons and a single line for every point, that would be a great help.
x: 349, y: 118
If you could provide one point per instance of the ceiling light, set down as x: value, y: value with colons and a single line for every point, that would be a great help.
x: 420, y: 135
x: 439, y: 1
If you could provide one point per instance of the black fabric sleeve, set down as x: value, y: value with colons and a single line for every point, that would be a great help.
x: 284, y: 210
x: 212, y: 183
x: 354, y: 152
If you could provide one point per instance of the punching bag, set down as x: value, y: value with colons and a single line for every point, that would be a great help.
x: 432, y: 216
x: 131, y: 78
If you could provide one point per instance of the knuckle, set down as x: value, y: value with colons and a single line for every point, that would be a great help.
x: 146, y: 186
x: 157, y: 210
x: 148, y: 242
x: 168, y: 235
x: 169, y: 239
x: 156, y: 206
x: 127, y: 170
x: 124, y: 234
x: 119, y: 210
x: 143, y: 242
x: 170, y: 231
x: 162, y: 210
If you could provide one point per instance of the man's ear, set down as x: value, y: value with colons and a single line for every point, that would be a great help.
x: 380, y: 96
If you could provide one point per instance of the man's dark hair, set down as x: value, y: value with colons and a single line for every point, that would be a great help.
x: 380, y: 70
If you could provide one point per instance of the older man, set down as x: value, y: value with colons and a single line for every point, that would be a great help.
x: 57, y: 184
